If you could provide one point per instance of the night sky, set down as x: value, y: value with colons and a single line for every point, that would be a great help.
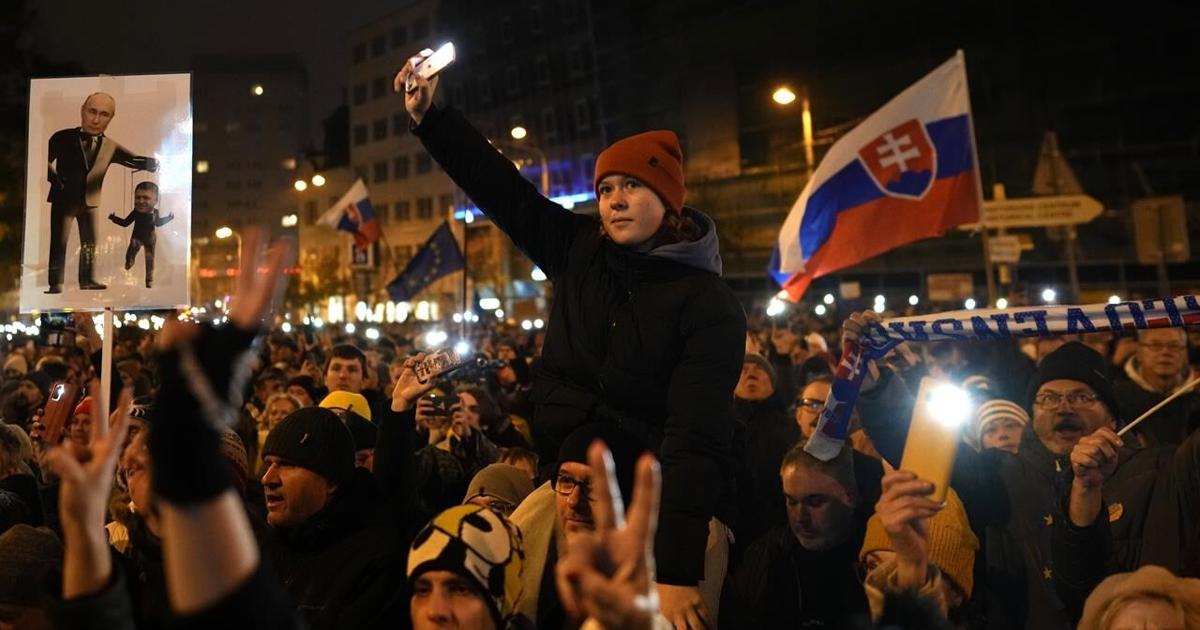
x: 162, y: 36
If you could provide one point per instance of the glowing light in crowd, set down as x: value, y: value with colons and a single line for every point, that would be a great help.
x: 144, y: 324
x: 526, y: 325
x: 775, y: 307
x: 499, y: 313
x: 201, y: 166
x: 538, y: 275
x: 462, y: 347
x: 372, y: 334
x: 784, y: 96
x: 257, y: 89
x: 880, y: 303
x: 361, y: 311
x: 318, y: 180
x: 1114, y: 299
x: 350, y: 328
x: 949, y: 405
x: 216, y: 304
x: 820, y: 310
x: 286, y: 327
x: 318, y: 323
x: 913, y: 300
x: 289, y: 220
x: 435, y: 338
x: 489, y: 304
x: 1049, y: 295
x: 300, y: 185
x: 828, y: 298
x: 519, y: 133
x: 537, y: 323
x: 1002, y: 303
x: 223, y: 232
x: 457, y: 318
x: 969, y: 304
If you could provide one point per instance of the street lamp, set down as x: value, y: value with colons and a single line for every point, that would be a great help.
x: 224, y: 232
x: 318, y: 180
x: 300, y: 185
x: 784, y: 96
x: 519, y: 133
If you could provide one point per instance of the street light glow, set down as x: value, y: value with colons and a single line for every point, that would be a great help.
x: 289, y: 220
x: 784, y: 96
x: 913, y: 300
x: 1114, y: 299
x: 318, y: 180
x: 1002, y: 303
x: 537, y: 275
x: 1049, y: 295
x: 519, y: 133
x: 257, y: 89
x: 828, y: 298
x: 820, y: 309
x: 300, y: 185
x: 969, y: 304
x: 223, y: 232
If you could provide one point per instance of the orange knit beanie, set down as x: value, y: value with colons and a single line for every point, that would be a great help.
x: 654, y: 158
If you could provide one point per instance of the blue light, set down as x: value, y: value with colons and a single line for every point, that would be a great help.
x: 566, y: 201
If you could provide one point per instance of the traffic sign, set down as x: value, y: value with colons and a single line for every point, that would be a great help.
x: 1005, y: 249
x: 1038, y: 212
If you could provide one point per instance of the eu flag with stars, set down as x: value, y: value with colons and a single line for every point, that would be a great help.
x: 439, y: 256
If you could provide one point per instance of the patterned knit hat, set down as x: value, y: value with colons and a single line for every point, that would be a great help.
x: 478, y: 544
x: 654, y: 158
x: 993, y: 411
x: 952, y: 544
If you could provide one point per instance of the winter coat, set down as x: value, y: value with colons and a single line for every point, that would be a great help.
x: 764, y: 434
x: 1169, y: 425
x: 651, y: 341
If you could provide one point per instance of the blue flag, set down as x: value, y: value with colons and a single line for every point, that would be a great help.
x: 439, y: 256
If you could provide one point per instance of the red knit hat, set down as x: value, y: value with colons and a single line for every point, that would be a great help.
x: 654, y: 158
x: 84, y: 406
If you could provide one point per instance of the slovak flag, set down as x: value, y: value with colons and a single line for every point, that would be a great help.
x: 905, y: 173
x: 353, y: 213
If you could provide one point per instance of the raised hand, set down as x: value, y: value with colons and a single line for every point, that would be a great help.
x: 605, y: 573
x: 409, y: 388
x: 418, y: 101
x: 905, y: 508
x: 1094, y: 457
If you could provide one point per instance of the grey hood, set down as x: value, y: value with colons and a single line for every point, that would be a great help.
x: 703, y: 253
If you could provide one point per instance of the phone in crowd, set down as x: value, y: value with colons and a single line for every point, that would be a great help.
x: 59, y: 407
x: 443, y: 405
x: 940, y: 412
x: 439, y: 362
x: 428, y: 63
x: 57, y: 329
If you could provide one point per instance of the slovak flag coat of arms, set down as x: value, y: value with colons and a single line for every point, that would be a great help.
x: 907, y: 172
x: 353, y: 213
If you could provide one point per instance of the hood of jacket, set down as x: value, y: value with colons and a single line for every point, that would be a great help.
x: 703, y: 253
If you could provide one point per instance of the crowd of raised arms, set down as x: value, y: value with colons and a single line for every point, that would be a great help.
x: 638, y: 464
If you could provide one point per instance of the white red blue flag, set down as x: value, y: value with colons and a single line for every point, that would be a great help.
x: 353, y: 213
x: 907, y: 172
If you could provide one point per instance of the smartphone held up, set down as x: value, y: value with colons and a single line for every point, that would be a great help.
x: 428, y: 63
x: 941, y: 411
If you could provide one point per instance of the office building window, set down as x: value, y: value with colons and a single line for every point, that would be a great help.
x: 379, y: 129
x: 360, y: 135
x: 399, y: 36
x: 360, y: 93
x: 535, y: 18
x: 506, y: 30
x: 446, y: 203
x: 401, y: 211
x: 379, y: 172
x: 541, y: 70
x: 485, y: 91
x: 378, y: 45
x: 420, y: 27
x: 425, y: 208
x: 400, y: 167
x: 575, y: 61
x: 310, y: 208
x: 513, y: 79
x: 549, y: 124
x: 583, y: 114
x: 360, y: 172
x: 424, y: 163
x: 378, y: 87
x: 359, y: 53
x: 399, y: 124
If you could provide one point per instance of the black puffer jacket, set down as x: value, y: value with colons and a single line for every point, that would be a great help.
x: 651, y: 341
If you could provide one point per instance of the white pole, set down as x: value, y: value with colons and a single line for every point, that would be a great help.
x: 102, y: 396
x: 1179, y: 392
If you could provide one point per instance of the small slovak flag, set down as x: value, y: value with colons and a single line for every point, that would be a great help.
x: 353, y: 213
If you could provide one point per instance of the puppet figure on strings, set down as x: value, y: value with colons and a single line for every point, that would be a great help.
x: 145, y: 219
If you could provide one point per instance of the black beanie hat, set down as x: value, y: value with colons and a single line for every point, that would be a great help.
x: 625, y: 449
x: 39, y: 380
x: 314, y: 438
x: 1076, y: 362
x: 362, y: 430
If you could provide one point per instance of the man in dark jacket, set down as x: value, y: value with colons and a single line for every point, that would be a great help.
x: 642, y: 331
x: 805, y: 574
x: 763, y: 436
x: 339, y: 562
x: 1157, y: 370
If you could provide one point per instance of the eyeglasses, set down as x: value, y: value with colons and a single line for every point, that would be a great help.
x: 811, y: 404
x: 566, y: 484
x: 1075, y: 399
x: 1158, y: 346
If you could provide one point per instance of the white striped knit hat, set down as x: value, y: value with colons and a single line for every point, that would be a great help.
x: 992, y: 411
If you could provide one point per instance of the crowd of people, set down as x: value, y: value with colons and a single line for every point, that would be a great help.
x: 640, y: 464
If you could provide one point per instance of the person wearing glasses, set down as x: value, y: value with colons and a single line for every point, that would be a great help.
x: 1158, y: 369
x: 1075, y: 502
x: 558, y: 512
x: 809, y: 405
